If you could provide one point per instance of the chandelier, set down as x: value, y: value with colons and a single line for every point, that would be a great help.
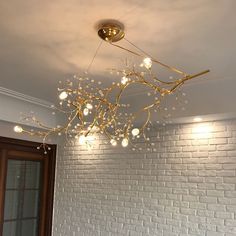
x: 93, y: 109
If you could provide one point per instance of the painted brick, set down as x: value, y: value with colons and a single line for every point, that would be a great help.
x: 183, y: 186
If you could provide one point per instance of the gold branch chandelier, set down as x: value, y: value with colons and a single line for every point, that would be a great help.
x: 91, y: 108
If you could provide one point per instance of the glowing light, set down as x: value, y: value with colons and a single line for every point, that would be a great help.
x: 86, y: 111
x: 89, y: 106
x: 18, y: 129
x: 147, y: 62
x: 135, y: 131
x: 125, y: 142
x: 113, y: 142
x: 63, y: 95
x: 90, y: 138
x: 124, y: 80
x: 197, y: 119
x: 85, y: 139
x: 79, y: 95
x: 82, y: 139
x: 202, y: 131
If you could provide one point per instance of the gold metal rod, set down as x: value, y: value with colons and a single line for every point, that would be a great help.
x: 155, y: 60
x: 188, y: 78
x: 127, y: 50
x: 169, y: 67
x: 198, y: 74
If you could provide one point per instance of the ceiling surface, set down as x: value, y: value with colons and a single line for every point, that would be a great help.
x: 42, y: 42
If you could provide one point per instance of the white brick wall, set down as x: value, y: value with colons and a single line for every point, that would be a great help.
x: 186, y: 185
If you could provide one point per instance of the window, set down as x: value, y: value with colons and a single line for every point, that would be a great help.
x: 26, y: 188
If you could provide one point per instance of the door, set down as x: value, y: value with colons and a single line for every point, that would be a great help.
x: 26, y: 188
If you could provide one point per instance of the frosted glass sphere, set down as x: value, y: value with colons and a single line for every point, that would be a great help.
x: 89, y: 106
x: 125, y: 142
x: 135, y: 131
x: 124, y: 80
x: 86, y: 111
x: 147, y: 62
x: 63, y: 95
x: 18, y: 129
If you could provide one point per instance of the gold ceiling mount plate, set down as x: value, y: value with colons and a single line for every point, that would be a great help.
x: 111, y: 31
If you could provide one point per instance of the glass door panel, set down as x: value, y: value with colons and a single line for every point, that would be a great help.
x: 22, y: 198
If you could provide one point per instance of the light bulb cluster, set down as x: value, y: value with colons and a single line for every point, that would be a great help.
x: 92, y: 108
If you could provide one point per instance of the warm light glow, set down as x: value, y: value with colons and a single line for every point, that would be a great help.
x: 113, y: 142
x: 63, y: 95
x: 135, y: 131
x: 90, y: 138
x: 125, y: 142
x: 18, y: 129
x: 82, y: 139
x: 147, y: 62
x: 124, y: 80
x: 89, y: 106
x: 202, y: 131
x: 197, y: 119
x: 113, y: 115
x: 86, y: 111
x: 85, y: 139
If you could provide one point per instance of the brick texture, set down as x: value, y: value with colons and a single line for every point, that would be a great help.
x: 185, y: 184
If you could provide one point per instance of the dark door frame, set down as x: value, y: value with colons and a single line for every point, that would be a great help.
x: 17, y: 149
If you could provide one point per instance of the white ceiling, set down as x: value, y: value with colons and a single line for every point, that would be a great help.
x: 42, y: 42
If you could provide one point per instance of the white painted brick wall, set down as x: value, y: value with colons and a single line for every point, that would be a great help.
x: 186, y: 185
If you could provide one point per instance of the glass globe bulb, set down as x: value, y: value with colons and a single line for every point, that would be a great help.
x: 18, y: 129
x: 82, y: 139
x: 113, y: 142
x: 63, y: 95
x: 147, y: 62
x: 135, y: 131
x: 125, y: 142
x: 89, y: 106
x: 86, y: 111
x: 124, y: 80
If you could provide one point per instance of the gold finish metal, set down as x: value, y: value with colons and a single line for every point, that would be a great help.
x: 93, y: 109
x: 107, y: 118
x: 111, y: 32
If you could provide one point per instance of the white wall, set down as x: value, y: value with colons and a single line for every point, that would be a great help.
x: 13, y: 105
x: 186, y: 185
x: 6, y: 130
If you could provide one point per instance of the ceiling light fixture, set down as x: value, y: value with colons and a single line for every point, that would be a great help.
x: 91, y: 108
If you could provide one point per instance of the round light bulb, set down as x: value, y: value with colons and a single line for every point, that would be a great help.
x: 125, y: 142
x: 18, y: 129
x: 89, y: 106
x: 63, y: 95
x: 86, y: 111
x: 135, y: 131
x: 147, y: 62
x: 113, y: 142
x: 82, y: 139
x: 124, y: 80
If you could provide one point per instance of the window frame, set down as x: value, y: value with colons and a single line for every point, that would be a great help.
x: 26, y: 150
